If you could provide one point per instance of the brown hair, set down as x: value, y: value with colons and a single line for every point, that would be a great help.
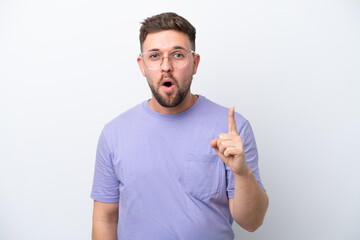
x: 167, y: 21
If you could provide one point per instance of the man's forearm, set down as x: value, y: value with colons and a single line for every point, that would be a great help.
x: 250, y: 201
x: 104, y: 230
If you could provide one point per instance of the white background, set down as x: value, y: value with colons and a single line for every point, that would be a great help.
x: 292, y: 68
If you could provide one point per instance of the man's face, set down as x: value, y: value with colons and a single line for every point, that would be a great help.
x: 169, y: 85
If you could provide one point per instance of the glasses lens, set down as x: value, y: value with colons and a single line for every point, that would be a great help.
x: 178, y: 58
x: 152, y: 59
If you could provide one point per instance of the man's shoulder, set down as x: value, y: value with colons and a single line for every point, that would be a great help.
x: 212, y: 107
x: 125, y: 118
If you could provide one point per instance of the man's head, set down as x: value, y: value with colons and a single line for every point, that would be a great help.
x: 167, y: 21
x: 167, y: 60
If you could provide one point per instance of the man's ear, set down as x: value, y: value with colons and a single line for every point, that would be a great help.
x: 196, y: 63
x: 141, y: 65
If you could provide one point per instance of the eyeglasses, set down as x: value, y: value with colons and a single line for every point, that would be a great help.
x: 178, y: 58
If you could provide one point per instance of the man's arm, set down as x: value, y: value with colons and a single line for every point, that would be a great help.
x: 105, y: 221
x: 250, y: 202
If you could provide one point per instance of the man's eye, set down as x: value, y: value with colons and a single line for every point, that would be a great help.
x: 154, y: 56
x: 178, y: 55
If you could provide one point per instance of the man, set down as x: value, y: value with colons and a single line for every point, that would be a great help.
x: 177, y: 166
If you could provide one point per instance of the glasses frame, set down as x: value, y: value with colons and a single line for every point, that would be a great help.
x: 166, y: 56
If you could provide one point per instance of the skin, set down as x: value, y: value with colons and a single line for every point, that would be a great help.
x: 105, y: 220
x: 250, y: 202
x: 165, y: 42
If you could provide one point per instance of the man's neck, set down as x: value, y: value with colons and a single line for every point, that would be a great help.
x: 187, y: 103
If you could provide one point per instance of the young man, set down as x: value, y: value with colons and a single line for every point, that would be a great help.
x: 177, y: 166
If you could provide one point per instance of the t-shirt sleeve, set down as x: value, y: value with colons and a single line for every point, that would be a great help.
x: 105, y: 184
x: 251, y: 155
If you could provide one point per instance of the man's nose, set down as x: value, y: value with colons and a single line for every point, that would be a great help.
x: 166, y: 65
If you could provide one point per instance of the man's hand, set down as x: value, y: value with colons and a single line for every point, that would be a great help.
x: 230, y: 148
x: 250, y: 202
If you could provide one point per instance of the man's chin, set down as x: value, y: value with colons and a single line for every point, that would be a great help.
x: 169, y: 100
x: 169, y: 103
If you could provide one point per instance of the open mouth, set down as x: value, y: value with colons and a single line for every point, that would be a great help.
x: 167, y: 84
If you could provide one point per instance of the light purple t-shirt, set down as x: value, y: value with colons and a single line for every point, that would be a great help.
x: 168, y: 180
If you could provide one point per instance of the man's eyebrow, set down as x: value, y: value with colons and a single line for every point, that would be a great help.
x: 179, y: 47
x: 154, y: 50
x: 158, y: 50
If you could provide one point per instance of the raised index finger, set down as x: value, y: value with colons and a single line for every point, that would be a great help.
x: 231, y: 121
